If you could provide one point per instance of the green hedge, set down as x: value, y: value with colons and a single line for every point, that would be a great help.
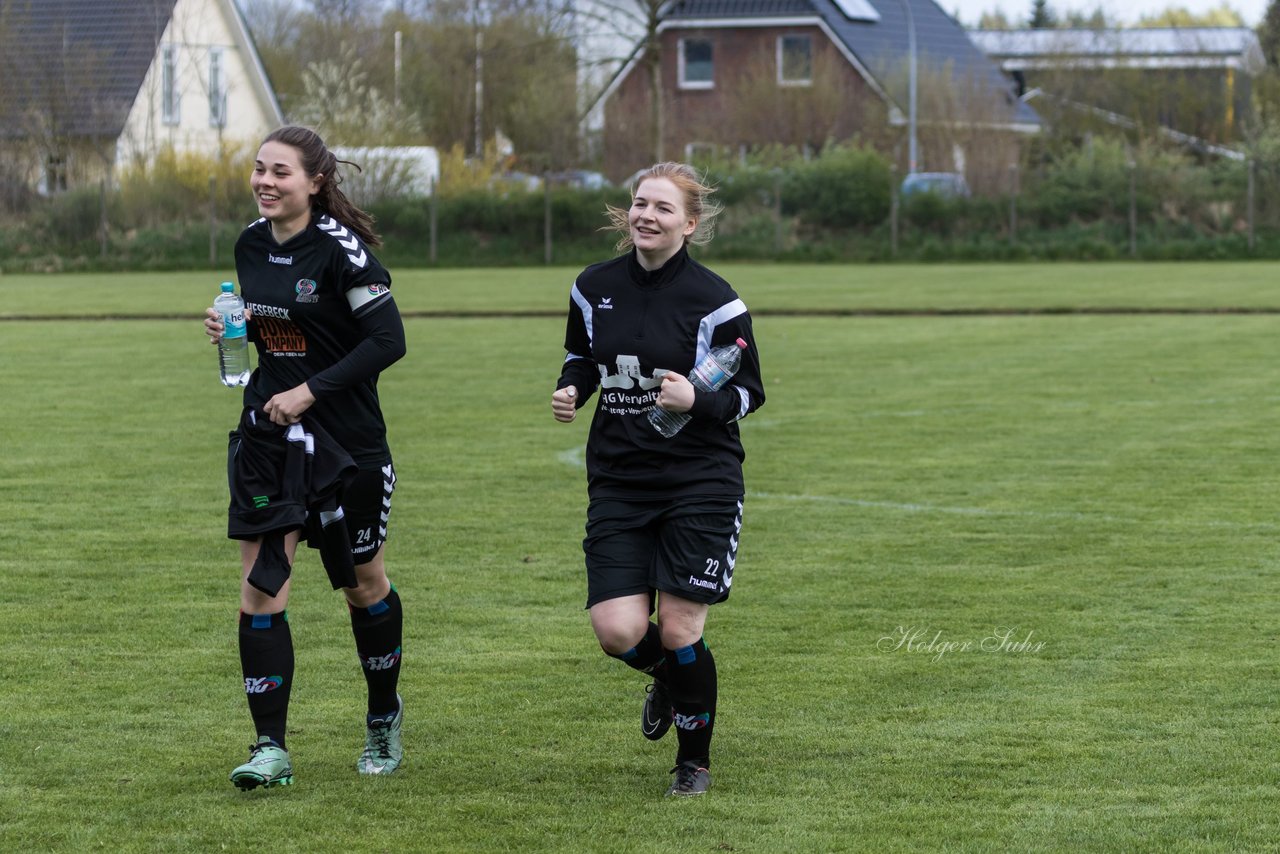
x: 833, y: 207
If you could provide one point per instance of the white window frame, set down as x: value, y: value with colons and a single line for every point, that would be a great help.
x: 783, y: 80
x: 54, y: 180
x: 858, y: 10
x: 685, y: 83
x: 170, y: 98
x: 217, y: 88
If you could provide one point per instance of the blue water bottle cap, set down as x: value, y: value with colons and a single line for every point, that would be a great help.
x: 228, y: 287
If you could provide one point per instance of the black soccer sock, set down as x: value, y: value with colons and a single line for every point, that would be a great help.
x: 379, y: 633
x: 266, y: 660
x: 691, y: 681
x: 647, y: 656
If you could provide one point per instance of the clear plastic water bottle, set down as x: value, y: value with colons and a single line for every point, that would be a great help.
x: 715, y: 369
x: 233, y: 347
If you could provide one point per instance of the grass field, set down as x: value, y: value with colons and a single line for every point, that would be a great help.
x: 1007, y: 583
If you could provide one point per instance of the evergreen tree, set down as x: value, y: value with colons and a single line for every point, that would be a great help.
x: 1041, y: 17
x: 1269, y: 34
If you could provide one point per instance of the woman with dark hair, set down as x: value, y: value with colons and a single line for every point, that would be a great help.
x: 664, y: 513
x: 324, y: 324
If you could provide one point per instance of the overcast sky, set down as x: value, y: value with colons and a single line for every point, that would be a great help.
x: 1020, y: 10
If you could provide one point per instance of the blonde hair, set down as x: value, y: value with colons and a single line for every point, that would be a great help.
x: 697, y: 204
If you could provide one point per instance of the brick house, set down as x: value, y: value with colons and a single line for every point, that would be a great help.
x: 738, y: 75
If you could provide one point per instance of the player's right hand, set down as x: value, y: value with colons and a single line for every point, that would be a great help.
x: 564, y: 403
x: 213, y: 324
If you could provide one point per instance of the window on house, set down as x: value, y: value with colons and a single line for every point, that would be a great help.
x: 169, y: 85
x: 858, y: 10
x: 217, y: 90
x: 55, y: 174
x: 795, y: 60
x: 697, y: 65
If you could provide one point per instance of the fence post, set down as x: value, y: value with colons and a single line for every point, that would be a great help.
x: 777, y: 212
x: 213, y: 221
x: 546, y: 218
x: 1133, y: 209
x: 1013, y: 203
x: 434, y: 208
x: 893, y: 211
x: 1252, y: 173
x: 102, y: 216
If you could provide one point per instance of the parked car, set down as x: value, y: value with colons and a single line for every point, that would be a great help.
x: 508, y: 182
x: 579, y: 179
x: 947, y: 184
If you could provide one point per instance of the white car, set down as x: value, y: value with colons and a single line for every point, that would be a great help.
x: 947, y: 184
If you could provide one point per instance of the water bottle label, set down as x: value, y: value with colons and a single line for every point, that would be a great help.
x: 233, y: 324
x: 711, y: 375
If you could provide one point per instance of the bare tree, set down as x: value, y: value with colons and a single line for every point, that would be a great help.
x: 962, y: 124
x: 272, y: 22
x: 467, y: 69
x: 344, y: 11
x: 53, y: 99
x: 1178, y: 16
x: 805, y: 117
x: 339, y: 102
x: 628, y: 30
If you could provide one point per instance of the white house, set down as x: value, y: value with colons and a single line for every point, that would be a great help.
x: 93, y: 85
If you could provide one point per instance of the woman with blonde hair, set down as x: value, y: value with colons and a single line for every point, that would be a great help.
x: 664, y: 514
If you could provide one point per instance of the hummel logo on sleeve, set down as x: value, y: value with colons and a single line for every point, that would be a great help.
x: 348, y: 241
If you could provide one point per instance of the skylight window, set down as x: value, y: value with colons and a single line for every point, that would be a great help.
x: 858, y: 10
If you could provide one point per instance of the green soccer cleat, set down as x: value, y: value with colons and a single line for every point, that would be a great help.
x: 382, y: 748
x: 691, y: 779
x: 268, y: 766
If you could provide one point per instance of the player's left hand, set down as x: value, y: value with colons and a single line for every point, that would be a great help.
x: 287, y: 407
x: 676, y: 393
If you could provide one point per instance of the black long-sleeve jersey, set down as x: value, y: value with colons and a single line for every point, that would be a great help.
x: 626, y: 328
x: 322, y: 314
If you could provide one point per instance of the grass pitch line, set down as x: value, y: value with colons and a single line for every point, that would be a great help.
x: 910, y: 507
x: 576, y: 457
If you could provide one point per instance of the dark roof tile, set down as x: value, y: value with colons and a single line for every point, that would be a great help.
x: 74, y: 67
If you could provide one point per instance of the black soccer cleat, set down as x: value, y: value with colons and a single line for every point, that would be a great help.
x: 656, y: 716
x: 691, y: 779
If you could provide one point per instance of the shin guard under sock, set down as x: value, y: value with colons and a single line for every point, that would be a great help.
x: 691, y: 682
x: 647, y: 656
x: 266, y: 661
x: 379, y: 631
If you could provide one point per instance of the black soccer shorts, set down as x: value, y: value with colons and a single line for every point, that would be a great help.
x: 685, y: 547
x: 366, y: 506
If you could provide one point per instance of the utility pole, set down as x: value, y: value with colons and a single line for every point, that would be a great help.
x: 913, y: 151
x: 479, y: 80
x: 479, y: 93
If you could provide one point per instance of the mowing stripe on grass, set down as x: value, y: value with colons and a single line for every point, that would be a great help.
x: 978, y: 311
x: 912, y: 507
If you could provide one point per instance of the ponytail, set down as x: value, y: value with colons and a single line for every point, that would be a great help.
x: 317, y: 159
